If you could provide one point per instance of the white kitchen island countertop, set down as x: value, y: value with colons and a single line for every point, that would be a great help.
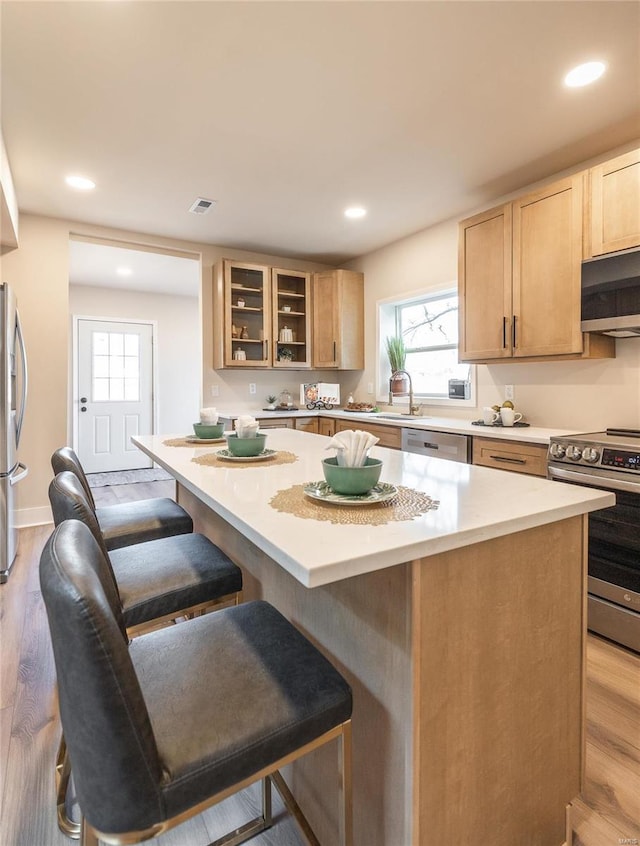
x: 476, y: 504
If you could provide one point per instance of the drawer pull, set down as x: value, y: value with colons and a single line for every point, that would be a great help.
x: 509, y: 460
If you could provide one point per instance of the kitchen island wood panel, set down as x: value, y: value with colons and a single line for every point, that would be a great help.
x: 465, y: 653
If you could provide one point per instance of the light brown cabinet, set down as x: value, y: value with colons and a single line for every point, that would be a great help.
x: 326, y: 426
x: 484, y: 280
x: 291, y: 310
x: 338, y: 320
x: 519, y: 279
x: 517, y: 456
x: 307, y: 424
x: 254, y: 307
x: 613, y: 209
x: 388, y: 436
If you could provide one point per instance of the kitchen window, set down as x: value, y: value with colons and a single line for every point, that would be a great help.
x: 429, y: 327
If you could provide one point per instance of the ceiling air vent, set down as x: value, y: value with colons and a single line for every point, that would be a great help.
x: 202, y: 206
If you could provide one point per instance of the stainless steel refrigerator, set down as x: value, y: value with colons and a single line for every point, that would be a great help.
x: 13, y: 398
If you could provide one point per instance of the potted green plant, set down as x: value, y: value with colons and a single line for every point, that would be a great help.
x: 271, y: 402
x: 397, y: 355
x: 285, y: 354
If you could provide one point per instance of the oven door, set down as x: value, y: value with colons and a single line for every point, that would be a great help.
x: 614, y: 557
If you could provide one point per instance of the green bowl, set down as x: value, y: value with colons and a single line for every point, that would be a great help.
x: 352, y: 480
x: 208, y: 430
x: 246, y: 447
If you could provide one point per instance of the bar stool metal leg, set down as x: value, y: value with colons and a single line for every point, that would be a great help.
x: 63, y: 773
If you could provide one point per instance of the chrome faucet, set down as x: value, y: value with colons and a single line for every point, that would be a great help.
x: 413, y: 409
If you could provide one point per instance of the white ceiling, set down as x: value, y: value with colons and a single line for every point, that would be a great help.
x: 97, y: 265
x: 287, y: 112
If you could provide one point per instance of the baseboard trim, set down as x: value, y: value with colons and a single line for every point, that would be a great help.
x: 26, y: 517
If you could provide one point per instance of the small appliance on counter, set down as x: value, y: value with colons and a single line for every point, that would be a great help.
x: 459, y: 389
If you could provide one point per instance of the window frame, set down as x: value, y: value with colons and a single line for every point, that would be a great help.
x: 388, y: 323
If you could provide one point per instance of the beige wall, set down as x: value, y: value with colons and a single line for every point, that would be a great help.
x: 39, y: 273
x: 177, y: 351
x: 583, y: 395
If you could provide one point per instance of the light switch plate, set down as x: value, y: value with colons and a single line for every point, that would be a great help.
x: 215, y: 391
x: 508, y: 392
x: 252, y: 387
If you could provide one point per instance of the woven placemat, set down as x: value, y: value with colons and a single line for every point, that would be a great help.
x: 183, y: 442
x: 405, y: 506
x: 210, y: 459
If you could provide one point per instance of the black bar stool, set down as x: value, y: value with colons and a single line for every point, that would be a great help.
x: 184, y: 716
x: 156, y: 581
x: 131, y: 522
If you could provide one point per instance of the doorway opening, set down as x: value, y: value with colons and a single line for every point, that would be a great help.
x: 137, y: 348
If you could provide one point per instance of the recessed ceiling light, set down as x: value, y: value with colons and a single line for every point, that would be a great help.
x: 355, y: 211
x: 584, y: 74
x: 80, y: 183
x: 124, y: 271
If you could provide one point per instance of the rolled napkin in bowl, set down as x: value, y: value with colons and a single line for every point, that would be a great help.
x: 246, y: 426
x: 209, y: 415
x: 352, y: 447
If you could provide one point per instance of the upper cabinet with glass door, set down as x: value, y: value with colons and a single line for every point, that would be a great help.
x: 242, y: 312
x: 261, y: 317
x: 291, y: 310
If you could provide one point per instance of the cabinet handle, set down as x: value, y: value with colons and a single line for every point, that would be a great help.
x: 509, y: 460
x: 504, y: 333
x: 513, y: 336
x: 335, y: 351
x: 266, y: 350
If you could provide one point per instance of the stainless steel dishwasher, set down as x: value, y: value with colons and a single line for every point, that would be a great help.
x: 437, y: 444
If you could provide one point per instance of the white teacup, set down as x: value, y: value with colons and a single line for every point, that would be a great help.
x: 509, y: 416
x: 489, y: 416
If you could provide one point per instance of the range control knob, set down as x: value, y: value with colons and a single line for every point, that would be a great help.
x: 590, y: 455
x: 574, y: 453
x: 558, y: 450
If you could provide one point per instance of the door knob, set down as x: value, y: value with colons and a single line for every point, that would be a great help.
x: 83, y: 408
x: 83, y: 399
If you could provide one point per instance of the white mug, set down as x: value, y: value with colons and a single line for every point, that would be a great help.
x: 489, y: 416
x: 509, y: 416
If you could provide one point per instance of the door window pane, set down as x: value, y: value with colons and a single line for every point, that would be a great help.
x: 101, y: 343
x: 115, y: 367
x: 131, y: 345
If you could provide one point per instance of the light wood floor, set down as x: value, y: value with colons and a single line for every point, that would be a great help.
x: 607, y: 815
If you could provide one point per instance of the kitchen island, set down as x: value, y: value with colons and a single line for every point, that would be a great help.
x: 460, y: 629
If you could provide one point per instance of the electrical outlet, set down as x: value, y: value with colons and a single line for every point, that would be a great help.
x: 508, y: 392
x: 369, y: 387
x: 252, y: 387
x: 215, y: 391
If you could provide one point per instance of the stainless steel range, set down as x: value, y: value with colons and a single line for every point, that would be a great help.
x: 611, y: 461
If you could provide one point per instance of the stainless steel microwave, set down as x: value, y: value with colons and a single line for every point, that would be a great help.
x: 611, y: 294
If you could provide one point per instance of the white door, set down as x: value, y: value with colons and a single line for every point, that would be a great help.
x: 115, y: 393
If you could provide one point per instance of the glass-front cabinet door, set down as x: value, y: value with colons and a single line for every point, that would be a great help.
x: 247, y: 304
x: 291, y: 318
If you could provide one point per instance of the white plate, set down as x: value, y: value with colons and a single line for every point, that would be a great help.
x: 194, y: 439
x: 382, y: 492
x: 226, y: 455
